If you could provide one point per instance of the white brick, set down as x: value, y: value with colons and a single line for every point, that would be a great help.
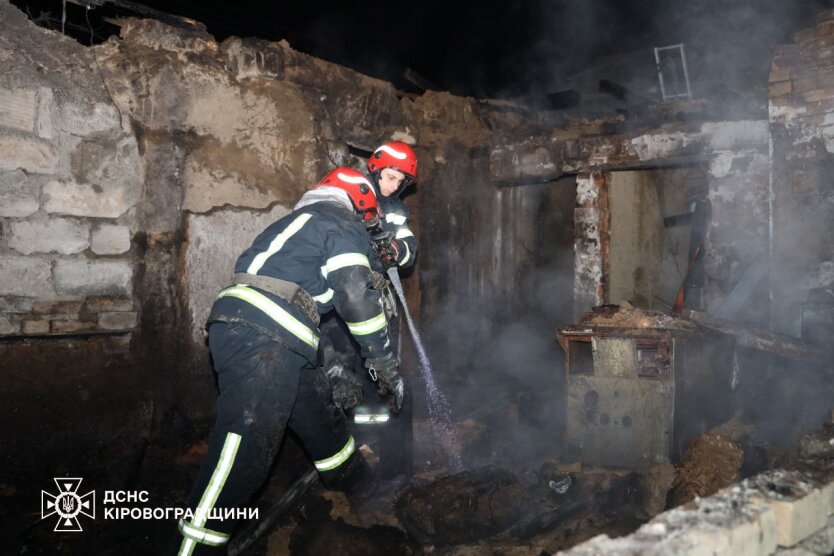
x: 81, y: 118
x: 18, y: 195
x: 798, y: 518
x: 9, y: 324
x: 59, y: 235
x: 757, y: 537
x: 828, y: 494
x: 30, y: 155
x: 697, y: 541
x: 35, y: 327
x: 117, y: 321
x: 15, y: 304
x: 111, y: 240
x: 57, y: 306
x: 43, y: 126
x: 86, y: 200
x: 821, y: 543
x: 726, y: 524
x: 69, y: 324
x: 83, y: 277
x: 801, y: 518
x: 736, y: 537
x: 603, y: 544
x: 108, y: 304
x: 25, y: 276
x: 107, y: 164
x: 18, y: 108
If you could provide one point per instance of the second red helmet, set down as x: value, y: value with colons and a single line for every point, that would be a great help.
x: 394, y: 154
x: 358, y: 188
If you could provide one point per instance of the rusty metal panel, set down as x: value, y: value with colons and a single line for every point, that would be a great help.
x: 615, y: 357
x: 619, y: 422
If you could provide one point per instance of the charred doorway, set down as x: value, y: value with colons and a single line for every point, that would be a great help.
x: 496, y: 279
x: 655, y: 229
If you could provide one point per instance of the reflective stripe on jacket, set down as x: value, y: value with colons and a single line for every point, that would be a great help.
x: 396, y: 222
x: 325, y: 250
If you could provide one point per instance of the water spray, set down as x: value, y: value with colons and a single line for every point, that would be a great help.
x: 440, y: 414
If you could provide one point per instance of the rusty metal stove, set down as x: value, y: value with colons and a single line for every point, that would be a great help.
x: 636, y: 396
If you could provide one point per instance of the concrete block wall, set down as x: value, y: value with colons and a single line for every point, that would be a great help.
x: 784, y: 512
x: 71, y: 258
x: 69, y: 178
x: 128, y: 168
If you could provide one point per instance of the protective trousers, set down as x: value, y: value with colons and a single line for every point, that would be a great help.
x: 264, y: 387
x: 390, y: 435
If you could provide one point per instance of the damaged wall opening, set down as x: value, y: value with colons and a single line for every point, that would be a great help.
x: 652, y: 236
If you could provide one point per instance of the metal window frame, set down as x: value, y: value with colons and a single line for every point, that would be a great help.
x: 657, y: 51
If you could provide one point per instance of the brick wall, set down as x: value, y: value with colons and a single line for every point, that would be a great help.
x: 802, y: 131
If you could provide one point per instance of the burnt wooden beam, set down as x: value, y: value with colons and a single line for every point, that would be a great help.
x: 419, y: 81
x: 574, y: 167
x: 668, y: 162
x: 762, y: 340
x: 677, y: 220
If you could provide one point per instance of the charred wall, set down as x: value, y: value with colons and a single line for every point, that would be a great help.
x: 135, y: 171
x: 801, y: 120
x: 733, y: 155
x: 71, y: 179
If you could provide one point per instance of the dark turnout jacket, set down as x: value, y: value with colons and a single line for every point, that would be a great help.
x: 322, y: 247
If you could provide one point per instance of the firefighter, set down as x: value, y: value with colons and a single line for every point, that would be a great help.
x: 388, y: 431
x: 264, y: 336
x: 392, y: 168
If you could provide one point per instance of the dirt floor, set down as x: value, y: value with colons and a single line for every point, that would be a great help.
x: 501, y: 504
x: 548, y: 506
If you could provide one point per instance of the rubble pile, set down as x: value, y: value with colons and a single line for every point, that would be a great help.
x: 461, y: 508
x: 711, y: 463
x: 628, y: 316
x: 778, y: 512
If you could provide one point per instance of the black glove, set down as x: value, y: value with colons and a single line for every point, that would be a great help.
x: 387, y: 248
x: 383, y: 371
x: 345, y: 386
x: 379, y: 281
x: 383, y: 286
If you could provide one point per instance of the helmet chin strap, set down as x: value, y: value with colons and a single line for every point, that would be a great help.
x: 407, y: 180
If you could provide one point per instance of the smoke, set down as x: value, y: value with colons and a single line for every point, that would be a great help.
x: 506, y: 374
x: 491, y: 333
x: 728, y: 44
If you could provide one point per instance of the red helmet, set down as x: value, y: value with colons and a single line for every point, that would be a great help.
x: 357, y: 187
x: 397, y: 155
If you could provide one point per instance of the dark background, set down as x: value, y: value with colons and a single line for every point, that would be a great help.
x: 491, y: 48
